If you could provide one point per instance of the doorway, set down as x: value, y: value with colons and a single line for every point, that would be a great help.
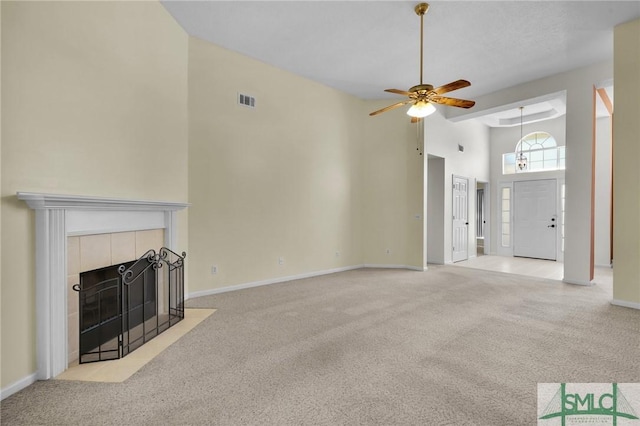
x: 435, y: 210
x: 535, y: 219
x: 481, y: 219
x: 460, y: 241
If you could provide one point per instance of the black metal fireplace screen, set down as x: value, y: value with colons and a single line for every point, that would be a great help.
x: 122, y: 307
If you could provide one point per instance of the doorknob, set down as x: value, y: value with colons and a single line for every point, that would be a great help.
x: 466, y: 223
x: 551, y: 226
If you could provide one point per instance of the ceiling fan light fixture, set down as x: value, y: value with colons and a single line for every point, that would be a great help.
x: 421, y: 109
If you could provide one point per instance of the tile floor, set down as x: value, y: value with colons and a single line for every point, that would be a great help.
x: 532, y: 267
x: 121, y: 369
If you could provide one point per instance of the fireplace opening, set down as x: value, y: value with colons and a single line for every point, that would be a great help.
x: 124, y: 306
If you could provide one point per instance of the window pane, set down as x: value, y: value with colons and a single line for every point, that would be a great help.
x: 505, y: 217
x: 535, y: 165
x: 506, y: 241
x: 505, y: 194
x: 550, y: 158
x: 505, y: 229
x: 508, y: 163
x: 547, y: 140
x: 509, y: 158
x: 535, y: 155
x: 505, y: 205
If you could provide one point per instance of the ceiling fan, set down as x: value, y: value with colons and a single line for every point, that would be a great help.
x: 423, y: 96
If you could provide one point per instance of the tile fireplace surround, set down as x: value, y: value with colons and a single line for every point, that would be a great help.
x: 59, y: 217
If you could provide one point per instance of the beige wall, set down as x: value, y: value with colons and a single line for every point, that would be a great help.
x: 393, y: 191
x: 626, y: 157
x: 0, y: 188
x: 94, y: 103
x: 280, y: 180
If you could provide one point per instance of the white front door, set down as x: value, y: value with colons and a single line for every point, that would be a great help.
x: 460, y: 219
x: 535, y: 220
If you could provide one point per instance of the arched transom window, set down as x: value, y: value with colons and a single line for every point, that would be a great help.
x: 541, y: 152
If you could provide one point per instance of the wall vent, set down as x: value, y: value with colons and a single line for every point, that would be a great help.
x: 246, y: 100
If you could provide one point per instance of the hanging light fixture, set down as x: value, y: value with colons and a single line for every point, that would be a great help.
x: 521, y: 160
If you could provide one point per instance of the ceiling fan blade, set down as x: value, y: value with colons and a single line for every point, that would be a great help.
x: 462, y: 103
x: 380, y: 111
x: 399, y: 92
x: 455, y: 85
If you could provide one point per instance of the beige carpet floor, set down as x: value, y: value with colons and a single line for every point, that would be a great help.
x: 450, y: 346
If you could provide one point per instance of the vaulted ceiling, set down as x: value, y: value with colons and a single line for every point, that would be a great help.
x: 362, y: 48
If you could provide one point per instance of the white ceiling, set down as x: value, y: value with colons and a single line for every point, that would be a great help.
x: 362, y: 48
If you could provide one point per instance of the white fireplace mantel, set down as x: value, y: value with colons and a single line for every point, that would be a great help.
x: 61, y: 216
x: 69, y: 202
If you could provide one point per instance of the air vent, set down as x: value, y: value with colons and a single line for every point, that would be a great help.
x: 246, y: 100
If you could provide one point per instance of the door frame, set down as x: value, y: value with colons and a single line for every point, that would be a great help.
x: 487, y: 215
x: 453, y: 178
x: 497, y: 216
x: 557, y: 218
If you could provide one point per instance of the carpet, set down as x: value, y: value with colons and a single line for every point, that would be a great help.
x: 449, y: 346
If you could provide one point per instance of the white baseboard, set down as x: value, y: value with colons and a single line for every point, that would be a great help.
x: 576, y: 282
x: 624, y: 303
x: 18, y: 386
x: 270, y: 281
x: 385, y: 266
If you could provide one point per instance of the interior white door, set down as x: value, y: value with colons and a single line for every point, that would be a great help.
x: 460, y: 219
x: 535, y: 219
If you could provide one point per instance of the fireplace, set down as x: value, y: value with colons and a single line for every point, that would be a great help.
x: 100, y: 300
x: 59, y: 218
x: 121, y: 307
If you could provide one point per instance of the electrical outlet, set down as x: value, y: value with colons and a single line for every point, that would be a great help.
x: 214, y: 270
x: 281, y: 260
